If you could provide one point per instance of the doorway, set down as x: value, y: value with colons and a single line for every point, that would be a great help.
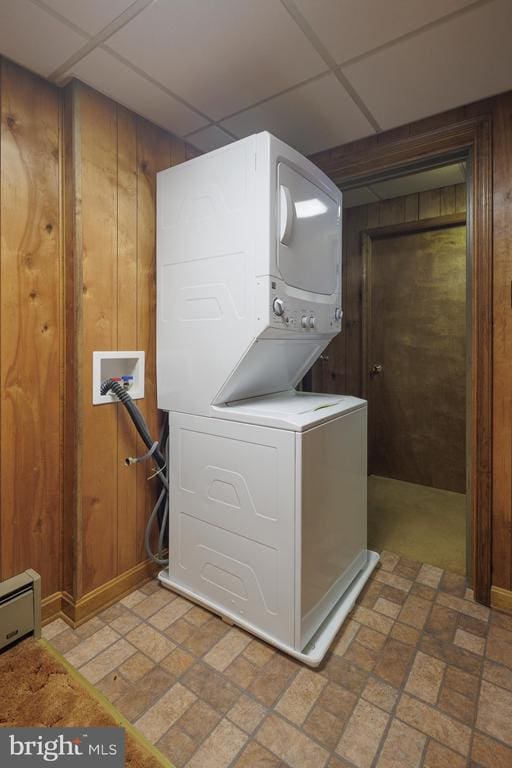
x: 416, y: 358
x: 458, y: 135
x: 405, y: 349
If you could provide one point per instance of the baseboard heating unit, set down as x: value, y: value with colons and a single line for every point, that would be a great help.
x: 20, y: 607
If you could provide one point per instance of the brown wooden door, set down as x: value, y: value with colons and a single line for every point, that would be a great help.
x: 416, y: 331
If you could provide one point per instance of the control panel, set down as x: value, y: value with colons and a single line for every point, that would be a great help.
x: 299, y: 315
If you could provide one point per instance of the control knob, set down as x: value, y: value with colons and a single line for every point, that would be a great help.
x: 278, y: 307
x: 337, y: 313
x: 304, y: 321
x: 312, y: 322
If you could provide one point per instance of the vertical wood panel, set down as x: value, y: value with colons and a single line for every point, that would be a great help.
x: 411, y: 207
x: 392, y: 211
x: 502, y: 346
x: 30, y: 327
x: 429, y: 204
x: 120, y: 156
x: 73, y: 363
x: 447, y: 202
x: 127, y: 291
x: 99, y: 232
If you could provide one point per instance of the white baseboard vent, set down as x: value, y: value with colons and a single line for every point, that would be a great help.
x: 20, y: 607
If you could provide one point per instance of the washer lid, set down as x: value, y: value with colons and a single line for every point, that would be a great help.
x: 309, y: 233
x: 296, y: 411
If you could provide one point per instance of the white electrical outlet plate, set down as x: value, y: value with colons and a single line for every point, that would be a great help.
x: 106, y: 365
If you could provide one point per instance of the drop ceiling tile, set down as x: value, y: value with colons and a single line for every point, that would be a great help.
x: 312, y: 117
x: 435, y: 178
x: 113, y: 78
x: 33, y: 38
x: 360, y: 196
x: 463, y: 60
x: 211, y: 137
x: 219, y: 55
x: 89, y: 15
x: 349, y: 28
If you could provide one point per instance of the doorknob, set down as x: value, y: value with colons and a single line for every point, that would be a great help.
x: 376, y: 369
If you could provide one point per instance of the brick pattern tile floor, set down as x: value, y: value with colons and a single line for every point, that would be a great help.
x: 419, y: 675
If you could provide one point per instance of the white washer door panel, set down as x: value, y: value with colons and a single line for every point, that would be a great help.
x: 333, y: 484
x: 309, y: 245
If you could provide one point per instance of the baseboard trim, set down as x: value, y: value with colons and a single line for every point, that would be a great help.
x: 501, y: 599
x: 51, y: 607
x: 76, y: 612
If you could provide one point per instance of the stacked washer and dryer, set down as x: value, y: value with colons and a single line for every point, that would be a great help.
x: 267, y: 522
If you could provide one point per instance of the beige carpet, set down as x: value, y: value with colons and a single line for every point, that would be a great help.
x: 419, y: 522
x: 46, y: 691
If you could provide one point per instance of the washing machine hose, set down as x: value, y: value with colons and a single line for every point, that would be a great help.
x: 157, y: 452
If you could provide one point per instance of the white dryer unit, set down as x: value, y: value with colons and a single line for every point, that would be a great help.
x: 248, y: 273
x: 268, y: 486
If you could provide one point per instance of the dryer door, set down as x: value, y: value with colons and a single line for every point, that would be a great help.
x: 309, y: 236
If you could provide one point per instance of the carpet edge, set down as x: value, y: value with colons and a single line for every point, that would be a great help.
x: 107, y: 705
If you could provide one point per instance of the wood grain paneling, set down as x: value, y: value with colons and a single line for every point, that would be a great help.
x: 127, y: 279
x: 30, y: 327
x: 502, y: 337
x: 72, y: 379
x: 77, y: 178
x: 98, y: 135
x: 120, y: 155
x: 341, y: 369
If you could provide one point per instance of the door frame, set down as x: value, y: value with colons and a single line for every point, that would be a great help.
x: 403, y: 151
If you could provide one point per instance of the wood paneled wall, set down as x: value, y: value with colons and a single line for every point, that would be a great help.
x: 502, y: 343
x: 31, y: 327
x: 341, y: 369
x: 116, y: 157
x: 77, y: 274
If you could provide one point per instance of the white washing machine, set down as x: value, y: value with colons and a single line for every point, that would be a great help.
x: 268, y: 485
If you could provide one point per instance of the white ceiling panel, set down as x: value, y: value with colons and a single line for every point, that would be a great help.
x: 219, y: 55
x: 435, y: 178
x: 33, y: 38
x: 420, y: 182
x: 349, y: 28
x: 89, y: 15
x: 314, y: 116
x: 468, y: 58
x: 211, y: 137
x: 105, y: 73
x: 359, y: 196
